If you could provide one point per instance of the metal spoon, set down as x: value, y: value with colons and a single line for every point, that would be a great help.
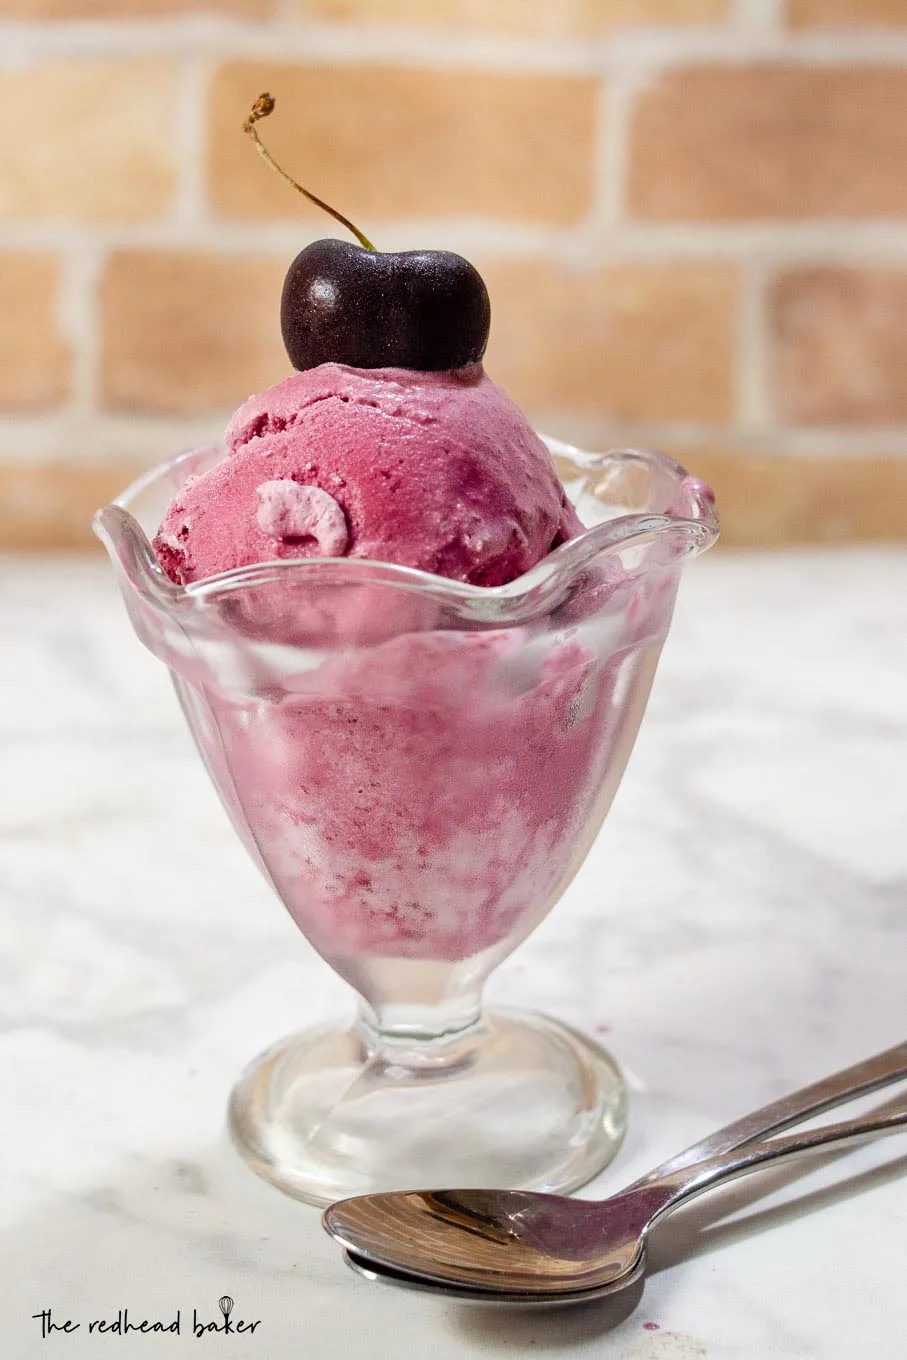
x: 522, y: 1245
x: 514, y: 1246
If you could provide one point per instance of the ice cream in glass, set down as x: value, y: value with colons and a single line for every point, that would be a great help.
x: 415, y: 668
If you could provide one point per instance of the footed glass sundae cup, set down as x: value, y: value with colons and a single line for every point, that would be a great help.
x: 419, y: 767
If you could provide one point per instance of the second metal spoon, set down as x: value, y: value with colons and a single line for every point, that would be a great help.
x: 523, y: 1246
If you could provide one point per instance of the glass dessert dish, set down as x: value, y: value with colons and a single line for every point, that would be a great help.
x: 419, y: 768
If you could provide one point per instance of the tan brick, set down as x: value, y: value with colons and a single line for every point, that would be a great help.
x: 840, y: 345
x: 771, y: 502
x: 546, y: 17
x: 130, y: 9
x: 34, y: 359
x: 638, y: 342
x: 728, y: 144
x: 47, y: 506
x: 185, y: 333
x: 862, y: 13
x: 94, y: 140
x: 382, y: 143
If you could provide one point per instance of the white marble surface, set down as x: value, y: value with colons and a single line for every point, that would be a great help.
x: 740, y: 928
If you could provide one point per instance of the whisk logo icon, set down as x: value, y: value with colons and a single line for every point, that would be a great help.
x: 228, y: 1325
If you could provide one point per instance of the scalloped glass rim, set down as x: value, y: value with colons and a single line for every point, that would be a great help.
x: 690, y: 533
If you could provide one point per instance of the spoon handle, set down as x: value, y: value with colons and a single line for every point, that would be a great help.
x: 686, y: 1184
x: 865, y: 1077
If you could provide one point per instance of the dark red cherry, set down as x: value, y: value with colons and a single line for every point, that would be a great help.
x: 420, y: 309
x: 353, y: 304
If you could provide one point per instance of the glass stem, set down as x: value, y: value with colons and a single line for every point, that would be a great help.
x: 438, y: 1037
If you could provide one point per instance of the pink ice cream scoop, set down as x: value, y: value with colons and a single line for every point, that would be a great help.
x: 395, y: 815
x: 435, y: 470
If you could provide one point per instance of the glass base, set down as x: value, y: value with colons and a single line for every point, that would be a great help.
x: 525, y: 1103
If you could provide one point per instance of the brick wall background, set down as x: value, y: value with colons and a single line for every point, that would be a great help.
x: 691, y: 215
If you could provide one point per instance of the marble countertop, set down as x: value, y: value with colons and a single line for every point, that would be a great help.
x: 739, y: 929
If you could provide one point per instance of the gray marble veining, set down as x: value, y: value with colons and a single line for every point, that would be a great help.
x: 739, y: 928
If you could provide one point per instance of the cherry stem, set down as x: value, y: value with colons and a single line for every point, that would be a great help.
x: 263, y: 106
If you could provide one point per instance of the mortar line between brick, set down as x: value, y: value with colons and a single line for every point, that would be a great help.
x: 753, y: 388
x: 789, y: 244
x: 190, y: 144
x: 279, y: 41
x: 612, y: 150
x: 764, y: 16
x: 97, y: 437
x: 596, y: 241
x: 653, y: 47
x: 79, y: 305
x: 109, y: 438
x: 773, y: 441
